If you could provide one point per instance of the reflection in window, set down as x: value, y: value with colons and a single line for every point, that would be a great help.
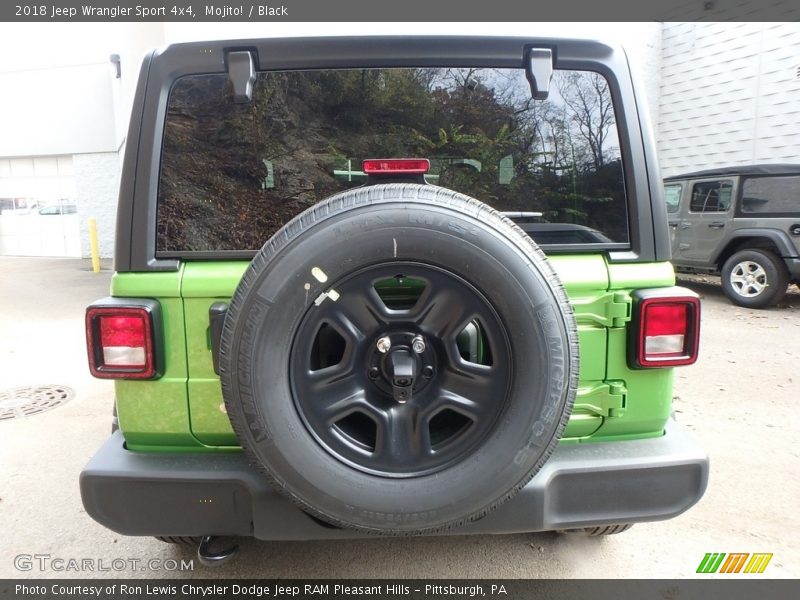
x: 233, y: 174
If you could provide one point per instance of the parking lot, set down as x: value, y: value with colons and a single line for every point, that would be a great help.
x: 740, y: 400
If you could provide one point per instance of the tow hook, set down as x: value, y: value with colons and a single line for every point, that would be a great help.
x: 214, y: 559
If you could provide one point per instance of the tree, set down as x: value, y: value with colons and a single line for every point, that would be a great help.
x: 588, y: 102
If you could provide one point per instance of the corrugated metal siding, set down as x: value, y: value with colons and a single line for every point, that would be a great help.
x: 729, y: 95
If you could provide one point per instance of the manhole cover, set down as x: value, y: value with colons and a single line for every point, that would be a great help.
x: 22, y: 402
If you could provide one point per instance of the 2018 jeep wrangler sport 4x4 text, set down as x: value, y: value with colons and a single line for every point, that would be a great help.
x: 391, y: 286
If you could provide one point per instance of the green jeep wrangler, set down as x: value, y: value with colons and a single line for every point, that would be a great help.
x: 392, y: 286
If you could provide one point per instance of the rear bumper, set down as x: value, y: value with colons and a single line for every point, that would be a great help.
x: 220, y: 494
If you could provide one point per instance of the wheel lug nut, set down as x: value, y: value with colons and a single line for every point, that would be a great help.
x: 384, y: 344
x: 427, y: 372
x: 418, y: 344
x: 373, y: 373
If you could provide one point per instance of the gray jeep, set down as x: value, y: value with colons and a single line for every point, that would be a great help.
x: 741, y: 222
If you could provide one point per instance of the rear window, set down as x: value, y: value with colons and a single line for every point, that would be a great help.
x: 774, y: 196
x: 233, y: 174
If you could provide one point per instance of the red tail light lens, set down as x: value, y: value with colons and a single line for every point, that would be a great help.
x: 120, y: 342
x: 396, y: 165
x: 668, y: 331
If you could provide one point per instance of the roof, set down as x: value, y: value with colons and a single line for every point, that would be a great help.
x: 762, y: 169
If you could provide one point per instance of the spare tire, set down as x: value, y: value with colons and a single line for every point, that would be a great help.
x: 399, y: 359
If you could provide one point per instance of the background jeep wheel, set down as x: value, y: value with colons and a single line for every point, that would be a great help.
x: 601, y: 531
x: 180, y: 540
x: 399, y: 359
x: 754, y: 278
x: 607, y: 529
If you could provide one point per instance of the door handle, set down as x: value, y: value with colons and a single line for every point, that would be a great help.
x: 716, y: 225
x: 673, y: 225
x: 685, y: 225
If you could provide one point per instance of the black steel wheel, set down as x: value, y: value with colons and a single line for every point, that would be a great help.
x: 344, y: 383
x: 399, y: 359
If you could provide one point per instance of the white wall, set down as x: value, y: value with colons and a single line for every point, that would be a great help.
x: 56, y: 111
x: 730, y: 95
x: 97, y: 187
x: 642, y: 44
x: 60, y: 96
x: 133, y: 42
x: 57, y: 93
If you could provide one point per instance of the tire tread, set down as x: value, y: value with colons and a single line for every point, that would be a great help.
x: 179, y: 540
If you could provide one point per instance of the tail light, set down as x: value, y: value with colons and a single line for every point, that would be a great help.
x: 121, y: 339
x: 666, y: 329
x: 394, y: 166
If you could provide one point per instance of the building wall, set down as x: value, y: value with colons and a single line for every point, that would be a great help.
x: 643, y: 47
x: 730, y: 95
x: 58, y: 110
x: 63, y: 85
x: 67, y: 107
x: 97, y: 187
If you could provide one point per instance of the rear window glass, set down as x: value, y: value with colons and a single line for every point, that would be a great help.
x: 771, y: 195
x: 233, y: 174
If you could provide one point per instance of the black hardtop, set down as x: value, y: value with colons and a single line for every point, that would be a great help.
x: 747, y: 170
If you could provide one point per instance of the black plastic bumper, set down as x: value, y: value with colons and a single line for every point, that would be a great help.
x: 220, y: 494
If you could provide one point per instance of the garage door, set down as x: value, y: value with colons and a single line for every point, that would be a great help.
x: 38, y: 209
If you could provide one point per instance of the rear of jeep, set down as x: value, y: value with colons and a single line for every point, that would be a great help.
x: 395, y: 286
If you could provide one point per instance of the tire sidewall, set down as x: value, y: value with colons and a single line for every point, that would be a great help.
x: 276, y: 294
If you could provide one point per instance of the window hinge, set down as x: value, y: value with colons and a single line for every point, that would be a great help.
x: 612, y: 309
x: 606, y: 399
x: 242, y: 74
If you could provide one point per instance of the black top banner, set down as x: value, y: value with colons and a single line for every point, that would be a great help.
x: 406, y: 10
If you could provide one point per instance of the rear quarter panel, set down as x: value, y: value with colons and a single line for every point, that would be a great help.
x: 185, y: 408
